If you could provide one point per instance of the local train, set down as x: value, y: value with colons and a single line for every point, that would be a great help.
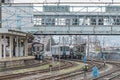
x: 39, y: 55
x: 78, y: 51
x: 37, y: 50
x: 60, y: 51
x: 65, y: 52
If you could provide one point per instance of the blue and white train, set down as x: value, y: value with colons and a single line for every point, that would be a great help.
x: 64, y: 51
x: 60, y: 51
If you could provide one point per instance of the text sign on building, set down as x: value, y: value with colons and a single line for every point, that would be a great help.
x: 113, y: 9
x: 56, y: 8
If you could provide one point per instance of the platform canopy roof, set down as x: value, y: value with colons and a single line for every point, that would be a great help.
x: 12, y: 32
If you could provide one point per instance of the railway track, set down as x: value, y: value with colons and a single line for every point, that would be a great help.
x: 69, y: 75
x: 33, y: 63
x: 20, y: 75
x: 111, y: 75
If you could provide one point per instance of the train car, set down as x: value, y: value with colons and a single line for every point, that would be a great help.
x: 39, y: 55
x: 71, y: 52
x: 61, y: 51
x: 78, y: 51
x: 38, y: 50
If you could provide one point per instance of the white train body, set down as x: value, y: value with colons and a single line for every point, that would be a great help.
x: 60, y: 50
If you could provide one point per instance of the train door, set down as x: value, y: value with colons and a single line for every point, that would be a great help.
x: 64, y: 52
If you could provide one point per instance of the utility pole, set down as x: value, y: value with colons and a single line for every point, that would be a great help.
x: 103, y: 47
x: 88, y: 45
x: 1, y: 1
x: 59, y: 36
x: 59, y: 53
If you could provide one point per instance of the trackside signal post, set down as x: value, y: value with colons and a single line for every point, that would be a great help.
x: 85, y: 59
x: 50, y: 67
x: 85, y: 68
x: 95, y: 72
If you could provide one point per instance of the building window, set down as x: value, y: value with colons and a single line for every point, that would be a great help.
x: 43, y: 22
x: 93, y: 21
x: 108, y: 21
x: 37, y: 21
x: 116, y: 21
x: 60, y: 21
x: 48, y: 21
x: 100, y: 21
x: 67, y: 21
x: 75, y: 21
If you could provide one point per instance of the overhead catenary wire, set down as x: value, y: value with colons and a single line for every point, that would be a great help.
x: 112, y: 2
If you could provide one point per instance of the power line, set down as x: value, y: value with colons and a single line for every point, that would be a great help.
x: 70, y: 3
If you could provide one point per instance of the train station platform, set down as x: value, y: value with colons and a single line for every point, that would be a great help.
x: 14, y: 61
x: 16, y: 58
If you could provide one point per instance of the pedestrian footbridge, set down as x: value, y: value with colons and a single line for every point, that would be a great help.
x: 83, y: 20
x: 68, y: 20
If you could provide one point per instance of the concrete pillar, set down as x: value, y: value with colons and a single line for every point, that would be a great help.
x: 16, y: 52
x: 11, y: 46
x: 19, y: 47
x: 44, y: 44
x: 0, y: 47
x: 4, y: 47
x: 26, y: 47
